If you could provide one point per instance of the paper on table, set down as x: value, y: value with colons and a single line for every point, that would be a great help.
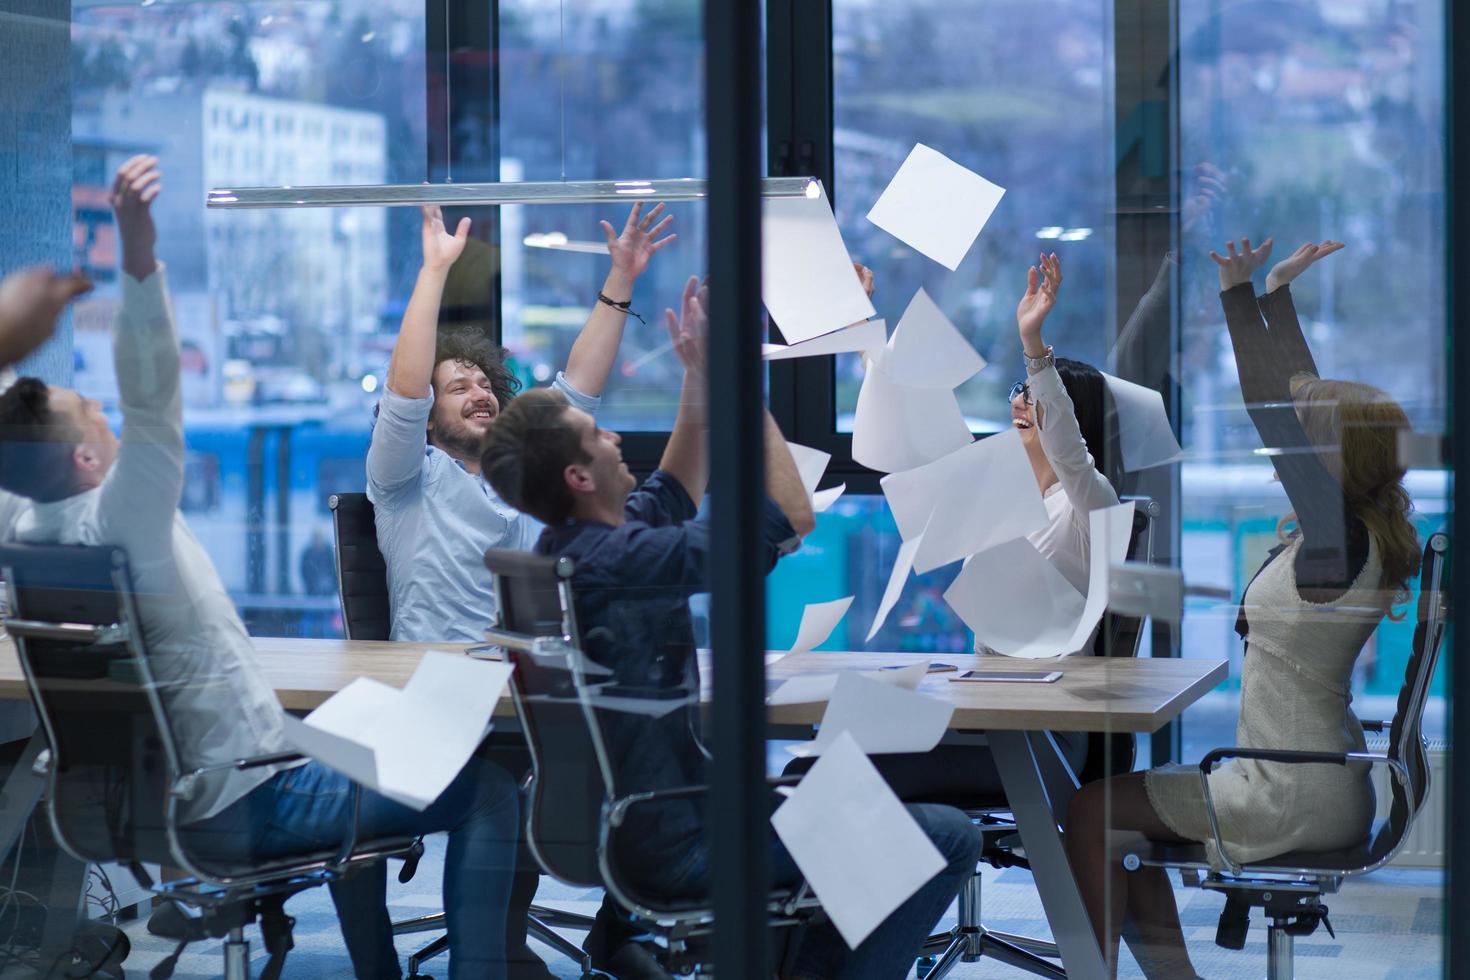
x: 936, y: 206
x: 408, y: 745
x: 808, y: 282
x: 978, y: 496
x: 902, y: 565
x: 843, y: 808
x: 1145, y: 438
x: 818, y: 620
x: 926, y: 351
x: 898, y: 428
x: 808, y: 688
x: 823, y: 499
x: 883, y: 718
x: 867, y: 335
x: 1017, y: 602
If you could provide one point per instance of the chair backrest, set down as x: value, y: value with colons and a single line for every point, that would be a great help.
x: 79, y: 640
x: 1112, y: 753
x: 571, y: 777
x: 1406, y: 735
x: 362, y: 575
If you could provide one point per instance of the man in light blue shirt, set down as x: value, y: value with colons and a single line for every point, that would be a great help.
x: 436, y: 515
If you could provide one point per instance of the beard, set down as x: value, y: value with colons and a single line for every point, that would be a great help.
x: 456, y: 437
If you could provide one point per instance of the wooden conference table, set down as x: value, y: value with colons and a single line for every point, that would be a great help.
x: 1093, y: 695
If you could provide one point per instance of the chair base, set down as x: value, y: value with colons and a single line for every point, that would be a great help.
x: 541, y: 922
x: 969, y: 941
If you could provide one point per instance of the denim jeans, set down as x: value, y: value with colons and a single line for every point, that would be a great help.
x: 890, y: 950
x: 310, y: 808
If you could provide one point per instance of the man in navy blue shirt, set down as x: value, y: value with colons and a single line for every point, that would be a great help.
x: 639, y: 553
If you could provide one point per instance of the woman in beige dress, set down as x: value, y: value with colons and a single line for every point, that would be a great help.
x: 1321, y: 593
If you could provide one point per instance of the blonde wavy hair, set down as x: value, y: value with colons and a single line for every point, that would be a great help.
x: 1356, y: 428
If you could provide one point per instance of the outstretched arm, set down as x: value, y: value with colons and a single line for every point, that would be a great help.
x: 30, y: 302
x: 412, y: 366
x: 596, y: 347
x: 686, y: 456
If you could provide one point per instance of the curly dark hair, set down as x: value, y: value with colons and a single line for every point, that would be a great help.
x: 473, y: 346
x: 527, y: 451
x: 36, y: 444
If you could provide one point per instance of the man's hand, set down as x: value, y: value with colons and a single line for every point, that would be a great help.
x: 441, y: 249
x: 1040, y: 297
x: 865, y: 276
x: 689, y: 331
x: 1295, y: 264
x: 1238, y: 267
x: 638, y: 243
x: 30, y: 302
x: 133, y: 192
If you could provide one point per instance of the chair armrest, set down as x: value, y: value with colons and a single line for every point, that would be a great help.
x: 618, y: 809
x: 1378, y: 727
x: 1288, y: 756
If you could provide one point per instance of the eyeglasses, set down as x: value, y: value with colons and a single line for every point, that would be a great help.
x: 1024, y: 390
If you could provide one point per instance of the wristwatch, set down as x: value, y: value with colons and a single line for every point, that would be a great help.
x: 1039, y: 363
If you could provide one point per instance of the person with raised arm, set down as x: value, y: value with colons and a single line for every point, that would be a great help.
x: 1347, y: 553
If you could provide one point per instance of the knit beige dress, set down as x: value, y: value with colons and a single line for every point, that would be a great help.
x: 1294, y: 695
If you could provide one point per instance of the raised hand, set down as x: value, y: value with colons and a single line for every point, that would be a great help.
x: 689, y: 331
x: 1297, y: 262
x: 441, y: 249
x: 639, y: 241
x: 30, y: 302
x: 1040, y: 297
x: 865, y: 276
x: 137, y: 184
x: 1238, y: 266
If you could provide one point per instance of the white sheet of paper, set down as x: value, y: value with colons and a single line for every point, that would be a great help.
x: 882, y: 717
x: 1017, y: 602
x: 978, y: 496
x: 419, y: 738
x: 897, y: 576
x: 810, y: 688
x: 810, y: 463
x: 1144, y: 436
x: 808, y: 282
x: 936, y: 206
x: 818, y: 620
x: 926, y: 351
x: 844, y: 808
x: 899, y: 428
x: 824, y: 499
x: 863, y: 336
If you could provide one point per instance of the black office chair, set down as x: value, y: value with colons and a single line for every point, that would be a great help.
x: 1108, y: 753
x: 362, y: 588
x: 114, y: 775
x: 577, y: 808
x: 1289, y: 887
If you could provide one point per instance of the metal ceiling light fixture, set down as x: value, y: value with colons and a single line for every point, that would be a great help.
x: 519, y: 192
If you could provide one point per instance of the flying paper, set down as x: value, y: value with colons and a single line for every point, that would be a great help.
x: 823, y: 499
x: 978, y: 496
x: 408, y: 745
x: 867, y: 335
x: 810, y: 463
x: 936, y: 206
x: 926, y: 351
x: 818, y: 620
x: 843, y: 808
x: 808, y: 282
x: 1145, y: 438
x: 898, y: 428
x: 1017, y: 602
x: 902, y: 565
x: 882, y: 718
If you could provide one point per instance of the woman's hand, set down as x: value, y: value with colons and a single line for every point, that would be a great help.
x: 1238, y: 267
x: 1041, y: 296
x: 1295, y: 264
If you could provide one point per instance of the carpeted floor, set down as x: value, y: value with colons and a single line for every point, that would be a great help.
x: 1389, y: 927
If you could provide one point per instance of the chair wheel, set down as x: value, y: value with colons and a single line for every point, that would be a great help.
x: 924, y: 965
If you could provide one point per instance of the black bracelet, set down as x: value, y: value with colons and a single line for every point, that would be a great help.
x: 624, y: 306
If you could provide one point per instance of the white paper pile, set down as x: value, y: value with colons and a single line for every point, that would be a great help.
x: 409, y: 744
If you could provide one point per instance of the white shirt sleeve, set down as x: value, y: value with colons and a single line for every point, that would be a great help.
x: 1062, y: 441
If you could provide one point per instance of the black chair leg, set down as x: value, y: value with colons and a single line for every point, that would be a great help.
x: 542, y: 931
x: 428, y: 952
